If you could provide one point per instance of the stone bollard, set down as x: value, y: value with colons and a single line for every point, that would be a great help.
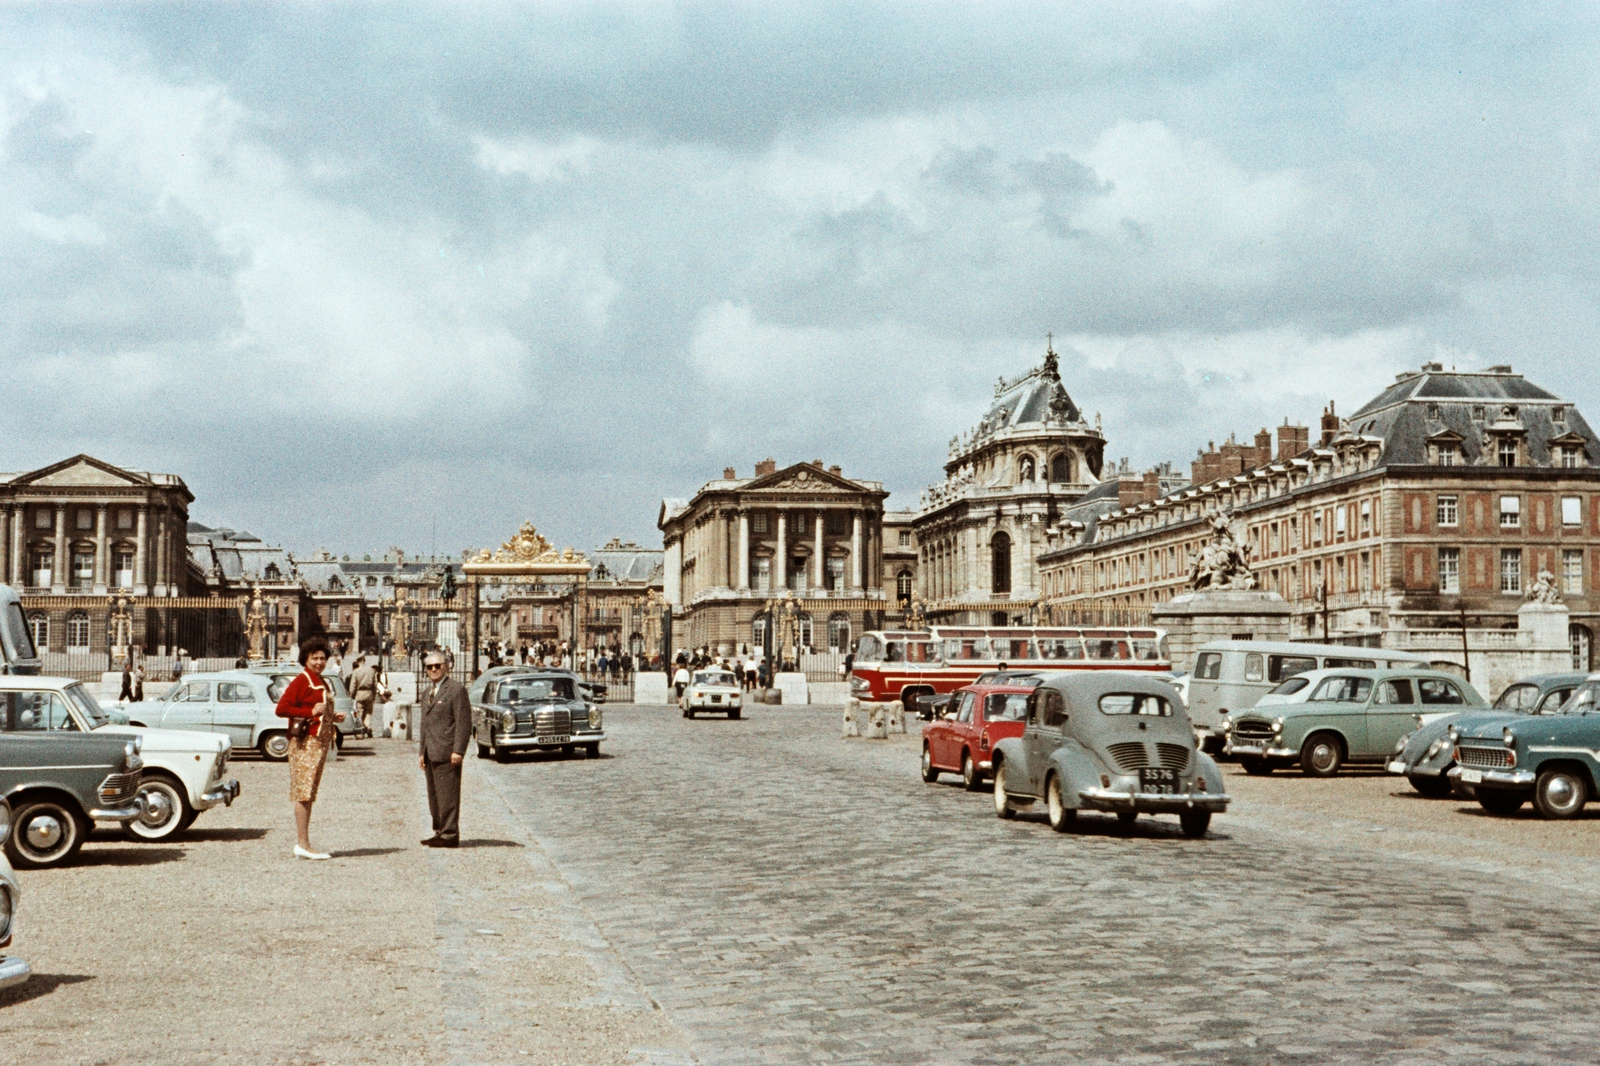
x: 897, y: 717
x: 852, y: 720
x: 877, y: 726
x: 399, y: 725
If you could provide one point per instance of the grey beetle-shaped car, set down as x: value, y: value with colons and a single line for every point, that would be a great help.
x: 1107, y: 741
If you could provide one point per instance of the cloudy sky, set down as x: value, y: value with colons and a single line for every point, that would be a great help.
x: 360, y: 272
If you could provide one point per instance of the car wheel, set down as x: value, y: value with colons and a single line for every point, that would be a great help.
x: 1256, y: 767
x: 1194, y: 823
x: 483, y: 751
x: 1432, y: 787
x: 930, y: 773
x: 188, y: 819
x: 1062, y: 817
x: 591, y: 751
x: 44, y: 833
x: 1002, y: 802
x: 1560, y: 793
x: 1322, y: 755
x: 1497, y: 801
x: 498, y: 754
x: 734, y: 713
x: 275, y: 746
x: 166, y: 806
x: 971, y: 780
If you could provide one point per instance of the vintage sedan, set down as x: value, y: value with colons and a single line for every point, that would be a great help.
x: 241, y: 705
x: 1552, y: 759
x: 13, y: 971
x: 712, y: 690
x: 1112, y: 741
x: 60, y: 782
x: 591, y: 691
x: 183, y: 771
x: 535, y: 711
x: 976, y: 719
x: 1350, y: 716
x: 1425, y: 756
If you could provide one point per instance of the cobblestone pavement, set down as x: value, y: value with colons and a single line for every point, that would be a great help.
x: 790, y: 897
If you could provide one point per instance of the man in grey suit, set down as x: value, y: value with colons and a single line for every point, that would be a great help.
x: 446, y: 727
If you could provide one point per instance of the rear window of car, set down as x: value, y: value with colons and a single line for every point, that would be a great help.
x: 1518, y: 698
x: 1434, y: 690
x: 1343, y: 690
x: 1006, y: 707
x: 714, y: 679
x: 1293, y: 685
x: 1137, y: 703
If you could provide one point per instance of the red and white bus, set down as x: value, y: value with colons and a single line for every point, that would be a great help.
x: 902, y: 664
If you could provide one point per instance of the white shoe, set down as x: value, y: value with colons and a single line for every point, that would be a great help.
x: 302, y: 853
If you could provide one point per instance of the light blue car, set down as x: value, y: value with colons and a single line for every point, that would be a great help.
x: 241, y: 704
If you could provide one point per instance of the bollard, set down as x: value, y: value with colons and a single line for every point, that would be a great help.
x: 897, y: 717
x: 852, y: 720
x: 877, y: 727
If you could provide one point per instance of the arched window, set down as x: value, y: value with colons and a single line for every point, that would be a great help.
x: 902, y: 586
x: 1000, y: 548
x: 1025, y: 469
x: 758, y: 634
x: 78, y: 631
x: 838, y: 631
x: 39, y: 629
x: 1582, y: 647
x: 1061, y: 468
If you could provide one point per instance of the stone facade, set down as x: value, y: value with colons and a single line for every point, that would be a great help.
x: 1439, y: 501
x: 740, y: 542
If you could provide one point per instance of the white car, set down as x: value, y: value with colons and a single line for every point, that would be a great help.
x: 183, y: 770
x: 712, y: 690
x: 13, y: 971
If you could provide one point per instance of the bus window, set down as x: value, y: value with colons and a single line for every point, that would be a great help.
x: 869, y: 649
x: 897, y: 652
x: 1012, y: 650
x: 1146, y: 651
x: 1102, y: 648
x: 1349, y: 664
x: 1253, y: 666
x: 922, y: 651
x: 1061, y: 648
x: 1280, y: 667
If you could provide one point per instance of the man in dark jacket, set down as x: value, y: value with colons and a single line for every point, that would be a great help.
x: 446, y: 728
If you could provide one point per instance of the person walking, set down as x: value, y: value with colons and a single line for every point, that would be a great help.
x: 308, y: 705
x: 138, y: 683
x: 680, y: 681
x: 363, y: 686
x: 446, y: 727
x: 126, y: 695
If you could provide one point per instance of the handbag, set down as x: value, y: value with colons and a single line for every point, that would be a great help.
x: 299, y: 728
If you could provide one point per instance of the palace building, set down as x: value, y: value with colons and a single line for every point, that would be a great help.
x: 1436, y: 504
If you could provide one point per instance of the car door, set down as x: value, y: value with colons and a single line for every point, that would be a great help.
x: 237, y: 710
x: 1340, y: 703
x: 189, y: 707
x: 1390, y: 715
x: 1044, y: 736
x: 963, y: 731
x: 939, y: 740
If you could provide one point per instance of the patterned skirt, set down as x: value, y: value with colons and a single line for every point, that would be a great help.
x: 307, y: 756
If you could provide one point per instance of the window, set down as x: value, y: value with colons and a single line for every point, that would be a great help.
x: 1446, y: 511
x: 78, y: 631
x: 1284, y: 666
x: 1000, y: 549
x: 1506, y: 452
x: 1510, y: 512
x: 1366, y: 516
x: 1569, y: 455
x: 83, y: 518
x: 759, y: 521
x: 1061, y: 468
x: 1571, y: 570
x: 1338, y: 522
x: 235, y: 692
x: 82, y: 569
x: 41, y: 518
x: 1291, y: 686
x: 1477, y: 414
x: 1450, y: 570
x: 34, y: 710
x: 1558, y: 415
x: 835, y: 574
x: 964, y: 707
x: 902, y: 586
x: 1208, y: 667
x: 836, y: 523
x: 1005, y: 707
x: 905, y: 538
x: 1572, y: 510
x: 1134, y: 703
x: 1518, y: 698
x: 1391, y: 693
x: 39, y: 630
x: 1053, y: 709
x: 1511, y: 570
x: 1316, y: 529
x: 763, y: 573
x: 200, y: 692
x: 124, y: 518
x: 43, y: 567
x: 1446, y: 455
x: 1253, y: 664
x: 123, y: 574
x: 1436, y: 690
x: 1342, y: 690
x: 839, y: 632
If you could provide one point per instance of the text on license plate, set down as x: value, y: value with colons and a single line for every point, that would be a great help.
x: 1471, y: 777
x: 553, y: 740
x: 1159, y: 781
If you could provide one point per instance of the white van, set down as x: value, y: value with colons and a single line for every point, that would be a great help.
x: 17, y: 653
x: 1231, y: 675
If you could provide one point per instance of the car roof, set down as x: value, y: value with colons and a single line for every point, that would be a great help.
x: 990, y: 687
x: 232, y: 675
x: 1361, y: 671
x: 10, y: 682
x: 1092, y: 684
x: 1553, y: 680
x: 1286, y: 647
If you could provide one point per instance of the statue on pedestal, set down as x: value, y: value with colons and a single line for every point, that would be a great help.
x: 1544, y: 590
x: 255, y: 627
x: 1224, y: 563
x: 121, y: 626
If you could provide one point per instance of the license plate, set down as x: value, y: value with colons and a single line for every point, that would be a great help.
x: 553, y: 740
x: 1158, y: 781
x: 1472, y: 777
x: 1397, y: 767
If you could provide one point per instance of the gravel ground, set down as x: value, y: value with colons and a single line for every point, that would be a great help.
x: 222, y: 948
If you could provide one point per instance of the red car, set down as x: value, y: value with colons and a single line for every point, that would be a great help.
x: 977, y: 718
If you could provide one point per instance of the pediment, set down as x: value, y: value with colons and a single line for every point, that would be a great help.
x: 803, y: 477
x: 1570, y: 437
x: 1446, y: 436
x: 81, y: 471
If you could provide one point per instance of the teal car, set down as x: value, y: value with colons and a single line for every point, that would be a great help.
x: 1349, y: 716
x: 1551, y: 759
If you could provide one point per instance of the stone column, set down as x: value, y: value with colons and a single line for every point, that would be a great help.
x: 743, y: 584
x: 19, y: 546
x: 5, y: 543
x: 58, y: 572
x: 161, y: 553
x: 102, y: 560
x: 782, y: 576
x: 141, y: 553
x: 822, y: 560
x: 855, y: 551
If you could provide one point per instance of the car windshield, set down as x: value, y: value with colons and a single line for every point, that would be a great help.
x: 1135, y: 703
x: 1584, y: 700
x: 1294, y: 684
x: 1342, y: 690
x: 708, y: 678
x: 1518, y: 698
x: 529, y: 689
x: 90, y: 706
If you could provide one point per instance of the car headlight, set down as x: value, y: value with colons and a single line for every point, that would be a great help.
x: 1436, y: 747
x: 1508, y: 738
x: 508, y: 720
x: 1400, y: 745
x: 5, y: 822
x: 595, y: 717
x: 6, y: 908
x: 130, y: 754
x: 1277, y: 725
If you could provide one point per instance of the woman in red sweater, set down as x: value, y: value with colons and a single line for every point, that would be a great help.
x: 308, y: 704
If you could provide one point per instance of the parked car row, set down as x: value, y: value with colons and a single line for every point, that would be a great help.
x: 1106, y: 741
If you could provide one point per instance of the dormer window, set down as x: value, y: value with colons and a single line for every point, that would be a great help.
x: 1506, y: 451
x: 1445, y: 455
x: 1569, y: 456
x: 1434, y: 413
x: 1558, y: 415
x: 1478, y: 414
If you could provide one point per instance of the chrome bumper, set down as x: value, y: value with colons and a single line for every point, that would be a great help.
x: 1230, y: 748
x: 1107, y: 799
x: 223, y: 793
x: 13, y: 971
x: 503, y: 741
x: 986, y: 766
x: 119, y: 814
x: 1503, y: 778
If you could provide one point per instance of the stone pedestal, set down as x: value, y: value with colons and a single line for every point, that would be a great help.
x: 1197, y: 618
x: 650, y: 688
x: 793, y: 687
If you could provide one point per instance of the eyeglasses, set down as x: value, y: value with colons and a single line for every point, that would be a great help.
x: 434, y: 666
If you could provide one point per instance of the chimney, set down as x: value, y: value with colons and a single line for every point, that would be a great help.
x: 1233, y: 458
x: 1263, y: 448
x: 817, y: 463
x: 1152, y: 486
x: 766, y: 466
x: 729, y: 473
x: 1130, y: 490
x: 1330, y: 425
x: 1292, y: 440
x: 836, y: 471
x: 1208, y: 467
